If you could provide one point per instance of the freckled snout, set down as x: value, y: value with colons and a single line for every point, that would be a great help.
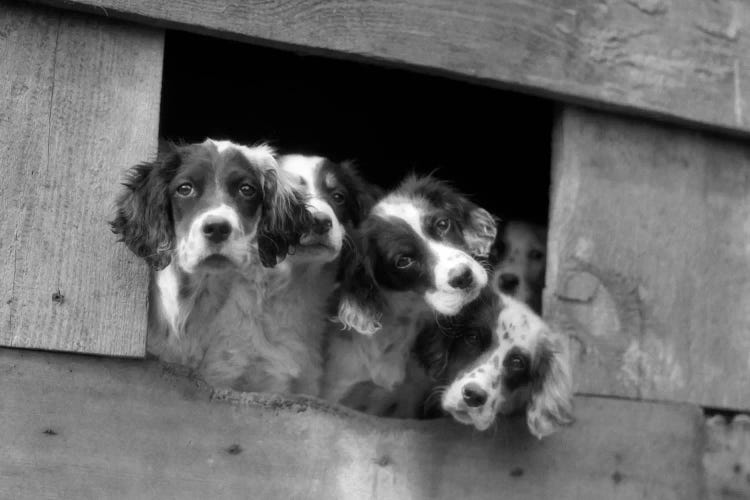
x: 473, y: 395
x: 216, y: 229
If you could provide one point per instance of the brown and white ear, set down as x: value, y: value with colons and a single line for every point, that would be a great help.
x: 361, y: 304
x: 551, y: 405
x: 143, y: 218
x: 481, y: 232
x: 284, y: 217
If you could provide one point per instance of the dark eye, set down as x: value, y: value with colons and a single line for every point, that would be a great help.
x: 443, y: 225
x: 338, y: 198
x: 185, y: 189
x: 517, y: 364
x: 404, y: 262
x: 536, y: 255
x: 247, y: 190
x: 471, y: 338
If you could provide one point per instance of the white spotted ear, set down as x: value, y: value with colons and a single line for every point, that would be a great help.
x: 481, y: 232
x: 551, y: 405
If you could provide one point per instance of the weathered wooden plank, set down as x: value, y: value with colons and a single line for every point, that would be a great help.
x: 685, y: 60
x: 80, y: 102
x: 649, y: 269
x: 81, y: 427
x: 727, y: 457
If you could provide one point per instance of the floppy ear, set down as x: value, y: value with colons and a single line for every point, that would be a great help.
x: 362, y: 304
x: 143, y: 217
x: 480, y: 232
x: 431, y: 350
x: 551, y: 392
x: 284, y: 218
x: 366, y: 193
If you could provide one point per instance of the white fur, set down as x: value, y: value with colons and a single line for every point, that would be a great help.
x: 194, y: 247
x: 525, y: 329
x: 380, y: 350
x: 244, y: 327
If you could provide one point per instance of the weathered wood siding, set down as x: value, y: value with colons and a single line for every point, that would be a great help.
x: 684, y: 60
x: 81, y: 427
x: 649, y: 267
x: 80, y: 102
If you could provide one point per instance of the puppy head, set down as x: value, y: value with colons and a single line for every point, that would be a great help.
x: 512, y: 362
x: 521, y: 253
x: 337, y: 199
x: 206, y: 205
x: 420, y: 238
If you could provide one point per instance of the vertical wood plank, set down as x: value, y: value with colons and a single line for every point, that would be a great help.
x: 649, y: 267
x: 80, y: 103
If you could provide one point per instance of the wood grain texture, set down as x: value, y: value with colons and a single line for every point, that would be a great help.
x: 649, y: 267
x: 80, y: 103
x: 83, y: 427
x: 727, y: 457
x: 684, y: 61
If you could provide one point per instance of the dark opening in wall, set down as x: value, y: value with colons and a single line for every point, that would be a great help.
x: 494, y: 145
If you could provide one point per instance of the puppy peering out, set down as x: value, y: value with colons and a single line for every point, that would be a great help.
x: 210, y: 219
x: 498, y: 356
x: 413, y: 257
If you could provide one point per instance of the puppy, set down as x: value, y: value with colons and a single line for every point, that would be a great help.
x: 520, y: 257
x: 413, y: 258
x: 298, y: 303
x: 498, y: 356
x: 210, y: 218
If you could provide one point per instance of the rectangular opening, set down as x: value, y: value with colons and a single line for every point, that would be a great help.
x: 492, y: 144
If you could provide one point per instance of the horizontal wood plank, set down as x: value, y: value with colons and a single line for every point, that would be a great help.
x: 80, y: 101
x: 648, y: 269
x: 83, y: 427
x: 683, y: 61
x: 727, y: 457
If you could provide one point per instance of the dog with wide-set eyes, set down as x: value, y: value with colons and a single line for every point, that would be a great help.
x: 298, y: 303
x: 211, y: 219
x: 519, y: 259
x: 498, y: 357
x: 413, y: 257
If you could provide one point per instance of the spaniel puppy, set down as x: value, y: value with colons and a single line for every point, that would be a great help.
x: 210, y: 218
x: 498, y: 356
x: 413, y: 259
x: 520, y: 256
x: 298, y: 305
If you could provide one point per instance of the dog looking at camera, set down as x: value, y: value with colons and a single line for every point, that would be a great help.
x: 498, y: 357
x: 519, y: 258
x: 413, y: 258
x: 210, y: 218
x: 298, y: 304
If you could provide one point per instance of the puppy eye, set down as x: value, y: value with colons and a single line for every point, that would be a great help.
x: 247, y: 190
x: 443, y: 225
x: 185, y: 189
x: 536, y: 255
x: 471, y: 338
x: 404, y: 262
x: 338, y: 198
x: 517, y: 364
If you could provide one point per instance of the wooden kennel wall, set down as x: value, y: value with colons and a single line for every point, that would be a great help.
x: 648, y: 267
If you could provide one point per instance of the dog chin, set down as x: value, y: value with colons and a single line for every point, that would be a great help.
x: 316, y: 250
x: 450, y: 302
x: 469, y: 417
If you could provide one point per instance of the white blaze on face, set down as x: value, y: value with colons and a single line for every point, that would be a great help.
x: 449, y: 260
x: 194, y: 247
x: 307, y: 169
x: 517, y: 326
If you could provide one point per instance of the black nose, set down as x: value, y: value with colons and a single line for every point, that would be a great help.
x: 321, y: 223
x: 462, y: 278
x: 509, y: 282
x: 216, y: 230
x: 474, y: 395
